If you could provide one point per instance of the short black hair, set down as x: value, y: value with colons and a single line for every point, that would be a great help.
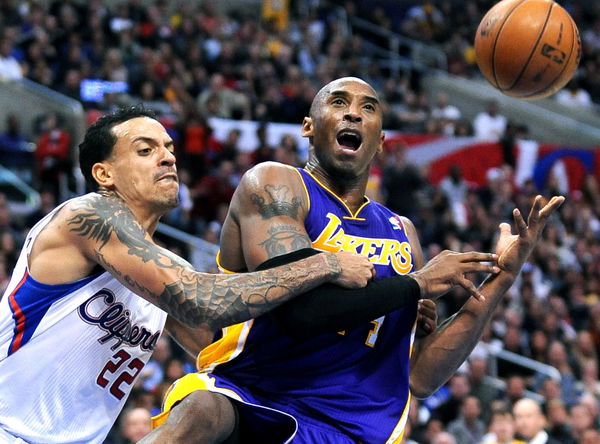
x: 99, y: 140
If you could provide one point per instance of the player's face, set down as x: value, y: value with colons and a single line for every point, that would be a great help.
x: 346, y: 128
x: 142, y: 165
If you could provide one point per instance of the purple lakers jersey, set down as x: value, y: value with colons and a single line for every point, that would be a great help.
x: 354, y: 381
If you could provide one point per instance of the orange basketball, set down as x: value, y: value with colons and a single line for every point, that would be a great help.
x: 527, y: 48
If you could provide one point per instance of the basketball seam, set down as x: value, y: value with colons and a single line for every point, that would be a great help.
x: 551, y: 84
x: 540, y: 34
x: 493, y: 52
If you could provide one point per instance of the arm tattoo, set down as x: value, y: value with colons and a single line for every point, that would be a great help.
x: 278, y: 205
x: 196, y: 298
x: 226, y: 299
x: 284, y: 239
x: 98, y: 217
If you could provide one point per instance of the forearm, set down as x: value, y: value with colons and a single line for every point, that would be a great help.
x: 331, y: 308
x: 439, y: 355
x: 218, y: 300
x: 192, y: 340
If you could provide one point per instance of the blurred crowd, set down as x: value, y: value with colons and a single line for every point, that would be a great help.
x: 194, y: 63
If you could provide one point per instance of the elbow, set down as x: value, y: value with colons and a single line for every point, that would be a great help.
x: 420, y: 392
x: 421, y: 389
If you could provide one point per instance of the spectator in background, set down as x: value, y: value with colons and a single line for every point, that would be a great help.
x: 286, y: 151
x: 228, y: 104
x: 53, y: 154
x: 16, y: 152
x: 10, y: 68
x: 263, y: 151
x: 468, y: 428
x: 444, y: 438
x: 449, y: 409
x: 558, y: 426
x: 211, y: 191
x: 401, y: 183
x: 581, y: 419
x: 515, y: 389
x: 501, y: 429
x: 47, y: 204
x: 447, y: 115
x: 489, y: 124
x: 455, y: 187
x: 134, y: 425
x: 480, y: 388
x: 574, y: 96
x: 530, y: 422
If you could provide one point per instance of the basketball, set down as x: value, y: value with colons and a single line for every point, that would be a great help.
x: 527, y: 48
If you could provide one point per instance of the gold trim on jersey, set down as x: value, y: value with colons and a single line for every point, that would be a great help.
x: 221, y: 268
x: 398, y: 432
x: 308, y: 201
x: 353, y: 216
x: 182, y: 388
x: 225, y: 349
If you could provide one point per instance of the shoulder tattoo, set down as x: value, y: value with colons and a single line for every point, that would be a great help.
x: 276, y: 202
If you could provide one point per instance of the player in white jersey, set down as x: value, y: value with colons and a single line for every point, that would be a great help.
x: 90, y: 294
x: 114, y: 332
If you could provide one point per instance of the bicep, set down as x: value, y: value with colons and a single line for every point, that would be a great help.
x: 271, y: 206
x: 109, y: 235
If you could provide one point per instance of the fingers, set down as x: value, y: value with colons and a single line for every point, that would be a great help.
x: 477, y: 267
x: 471, y: 289
x: 473, y: 256
x: 534, y: 213
x: 427, y: 304
x: 520, y: 222
x: 505, y: 229
x: 551, y: 206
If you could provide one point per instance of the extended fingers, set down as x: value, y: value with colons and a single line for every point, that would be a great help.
x: 551, y: 206
x: 474, y: 256
x: 520, y: 222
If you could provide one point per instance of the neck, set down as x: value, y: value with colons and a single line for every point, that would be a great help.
x: 350, y: 190
x: 144, y: 215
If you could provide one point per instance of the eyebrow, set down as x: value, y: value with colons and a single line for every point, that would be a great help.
x: 151, y: 141
x: 342, y: 93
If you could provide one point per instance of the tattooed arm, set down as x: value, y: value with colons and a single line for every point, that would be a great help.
x: 100, y: 230
x: 266, y: 217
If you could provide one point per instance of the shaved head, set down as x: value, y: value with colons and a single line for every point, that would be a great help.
x: 332, y: 86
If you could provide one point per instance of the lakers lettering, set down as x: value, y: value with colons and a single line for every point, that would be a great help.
x: 380, y: 251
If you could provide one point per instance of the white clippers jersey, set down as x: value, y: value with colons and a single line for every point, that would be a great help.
x: 69, y: 353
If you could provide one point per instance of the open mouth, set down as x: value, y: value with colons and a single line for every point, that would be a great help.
x: 349, y: 139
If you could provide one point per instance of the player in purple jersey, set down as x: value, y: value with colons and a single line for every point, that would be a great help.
x: 91, y: 288
x: 325, y: 372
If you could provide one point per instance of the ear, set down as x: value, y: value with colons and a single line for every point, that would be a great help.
x: 380, y: 147
x: 103, y: 174
x: 307, y: 127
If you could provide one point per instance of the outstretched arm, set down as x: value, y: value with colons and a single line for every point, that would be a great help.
x: 267, y: 218
x: 103, y: 229
x: 441, y: 353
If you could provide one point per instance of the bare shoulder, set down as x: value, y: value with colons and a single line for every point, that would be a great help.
x: 269, y: 173
x: 59, y: 252
x: 270, y: 187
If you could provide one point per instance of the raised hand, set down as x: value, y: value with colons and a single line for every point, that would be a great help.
x: 356, y: 270
x: 514, y: 249
x: 448, y: 269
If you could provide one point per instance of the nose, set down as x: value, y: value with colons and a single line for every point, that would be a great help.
x: 168, y: 157
x: 353, y: 114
